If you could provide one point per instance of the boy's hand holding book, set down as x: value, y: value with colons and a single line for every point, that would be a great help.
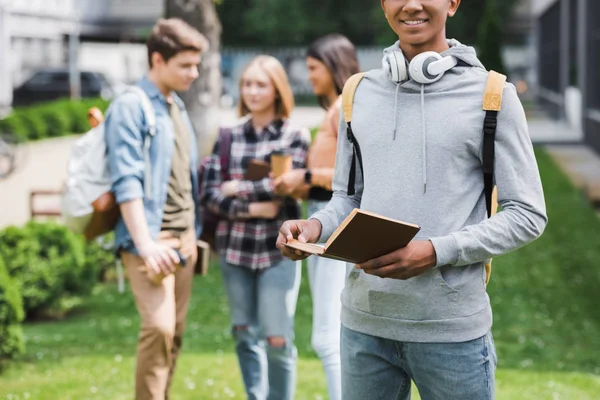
x: 417, y: 257
x: 304, y: 231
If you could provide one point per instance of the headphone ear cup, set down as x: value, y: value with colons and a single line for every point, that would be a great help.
x: 397, y: 66
x: 418, y: 67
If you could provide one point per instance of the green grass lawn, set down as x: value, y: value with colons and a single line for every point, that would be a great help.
x: 546, y: 327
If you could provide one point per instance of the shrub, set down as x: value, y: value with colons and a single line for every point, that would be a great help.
x: 48, y: 263
x: 56, y: 118
x: 51, y: 119
x: 11, y: 315
x: 14, y: 125
x: 34, y: 125
x: 77, y: 112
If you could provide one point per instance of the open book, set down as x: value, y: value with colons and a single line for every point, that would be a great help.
x: 362, y: 236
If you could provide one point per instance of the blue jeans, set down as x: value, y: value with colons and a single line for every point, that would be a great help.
x: 262, y: 305
x: 374, y: 368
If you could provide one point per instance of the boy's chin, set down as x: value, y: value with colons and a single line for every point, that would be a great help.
x: 184, y: 87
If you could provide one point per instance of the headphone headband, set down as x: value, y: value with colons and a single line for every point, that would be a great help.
x: 425, y: 68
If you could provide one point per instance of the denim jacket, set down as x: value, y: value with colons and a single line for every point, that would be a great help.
x: 125, y: 130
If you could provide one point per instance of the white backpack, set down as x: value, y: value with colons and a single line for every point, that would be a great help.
x: 88, y: 174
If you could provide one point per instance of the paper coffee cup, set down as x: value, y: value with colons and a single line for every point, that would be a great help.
x: 280, y: 163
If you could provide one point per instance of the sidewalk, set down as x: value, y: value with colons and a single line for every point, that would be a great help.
x: 547, y: 131
x: 582, y: 165
x: 568, y: 150
x: 41, y: 165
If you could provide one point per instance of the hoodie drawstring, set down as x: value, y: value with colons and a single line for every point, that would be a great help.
x: 396, y: 110
x: 424, y: 138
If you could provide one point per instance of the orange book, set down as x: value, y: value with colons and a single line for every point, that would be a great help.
x: 362, y: 236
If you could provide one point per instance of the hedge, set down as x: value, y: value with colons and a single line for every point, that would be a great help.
x: 51, y: 119
x: 49, y: 265
x: 11, y: 315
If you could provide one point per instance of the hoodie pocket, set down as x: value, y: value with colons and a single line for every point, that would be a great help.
x: 426, y: 297
x: 440, y: 276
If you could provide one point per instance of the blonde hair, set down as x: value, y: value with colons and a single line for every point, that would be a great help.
x: 284, y: 101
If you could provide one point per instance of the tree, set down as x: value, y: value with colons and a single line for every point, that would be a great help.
x: 489, y: 38
x: 202, y: 100
x: 257, y: 23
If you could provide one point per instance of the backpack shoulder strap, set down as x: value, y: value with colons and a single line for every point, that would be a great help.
x: 492, y: 100
x: 225, y: 151
x: 348, y: 94
x: 492, y: 104
x: 347, y: 103
x: 150, y: 116
x: 147, y: 108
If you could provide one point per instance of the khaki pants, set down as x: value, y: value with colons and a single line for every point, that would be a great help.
x: 163, y: 308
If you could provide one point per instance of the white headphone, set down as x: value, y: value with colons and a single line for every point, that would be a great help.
x: 425, y: 68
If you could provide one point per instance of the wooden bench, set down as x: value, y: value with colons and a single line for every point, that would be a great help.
x: 43, y: 211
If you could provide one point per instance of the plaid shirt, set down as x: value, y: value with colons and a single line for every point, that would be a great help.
x: 242, y: 241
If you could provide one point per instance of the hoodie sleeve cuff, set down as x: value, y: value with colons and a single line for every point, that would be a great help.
x: 327, y: 227
x: 446, y: 250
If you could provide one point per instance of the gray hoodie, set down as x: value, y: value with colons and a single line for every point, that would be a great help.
x: 421, y: 148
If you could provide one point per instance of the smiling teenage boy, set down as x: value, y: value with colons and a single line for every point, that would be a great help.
x: 422, y: 313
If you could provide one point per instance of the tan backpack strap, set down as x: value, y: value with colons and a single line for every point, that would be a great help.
x: 348, y: 94
x: 492, y: 100
x: 495, y: 200
x: 488, y: 271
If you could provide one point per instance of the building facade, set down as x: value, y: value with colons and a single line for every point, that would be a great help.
x: 32, y: 34
x: 35, y: 33
x: 568, y: 62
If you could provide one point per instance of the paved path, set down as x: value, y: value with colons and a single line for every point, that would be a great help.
x: 550, y: 131
x: 582, y: 165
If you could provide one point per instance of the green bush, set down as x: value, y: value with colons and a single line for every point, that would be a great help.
x: 77, y: 112
x: 11, y: 342
x: 14, y: 125
x: 48, y: 263
x: 11, y: 303
x: 35, y: 128
x: 51, y: 119
x: 56, y: 118
x: 11, y: 315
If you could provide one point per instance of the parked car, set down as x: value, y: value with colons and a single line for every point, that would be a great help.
x: 52, y: 84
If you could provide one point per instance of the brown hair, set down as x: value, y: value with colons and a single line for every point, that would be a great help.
x: 172, y: 36
x: 284, y: 102
x: 339, y: 56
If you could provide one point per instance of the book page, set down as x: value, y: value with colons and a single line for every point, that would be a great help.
x: 310, y: 248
